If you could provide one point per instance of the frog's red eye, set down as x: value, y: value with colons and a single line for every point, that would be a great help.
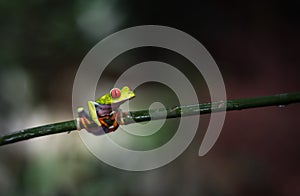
x: 115, y: 93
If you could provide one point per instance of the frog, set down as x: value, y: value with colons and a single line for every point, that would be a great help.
x: 104, y: 113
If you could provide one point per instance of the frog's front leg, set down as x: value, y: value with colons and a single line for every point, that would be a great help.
x: 119, y: 116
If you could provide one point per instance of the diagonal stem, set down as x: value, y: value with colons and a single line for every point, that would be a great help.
x: 144, y: 115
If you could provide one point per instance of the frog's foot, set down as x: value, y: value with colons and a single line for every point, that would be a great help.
x: 119, y: 117
x: 84, y: 121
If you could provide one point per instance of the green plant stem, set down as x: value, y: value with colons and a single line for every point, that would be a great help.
x: 144, y: 115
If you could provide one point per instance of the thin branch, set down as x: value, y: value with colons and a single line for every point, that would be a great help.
x: 144, y: 115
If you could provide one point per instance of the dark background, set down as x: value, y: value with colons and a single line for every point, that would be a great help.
x: 255, y: 44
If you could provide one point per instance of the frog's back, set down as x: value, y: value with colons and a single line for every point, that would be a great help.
x: 104, y: 100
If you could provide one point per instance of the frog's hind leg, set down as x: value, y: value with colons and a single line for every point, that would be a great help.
x: 83, y: 120
x: 93, y: 112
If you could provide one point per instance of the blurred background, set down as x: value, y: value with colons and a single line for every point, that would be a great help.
x: 255, y: 44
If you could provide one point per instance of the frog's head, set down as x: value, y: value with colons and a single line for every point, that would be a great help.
x: 116, y: 96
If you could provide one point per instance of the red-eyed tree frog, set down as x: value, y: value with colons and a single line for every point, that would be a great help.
x: 104, y: 113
